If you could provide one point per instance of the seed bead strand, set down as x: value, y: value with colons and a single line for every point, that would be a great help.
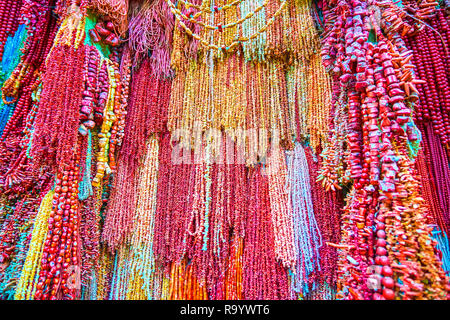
x: 27, y: 283
x: 253, y: 49
x: 235, y: 43
x: 281, y: 209
x: 142, y: 242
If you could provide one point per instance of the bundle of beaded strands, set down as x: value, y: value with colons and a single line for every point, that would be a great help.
x: 224, y: 149
x: 22, y: 187
x: 52, y: 151
x: 386, y: 223
x: 432, y: 115
x: 281, y: 95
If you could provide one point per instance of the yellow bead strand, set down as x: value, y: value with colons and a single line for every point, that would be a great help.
x: 27, y: 282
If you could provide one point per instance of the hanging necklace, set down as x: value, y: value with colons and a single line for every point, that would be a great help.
x: 209, y: 45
